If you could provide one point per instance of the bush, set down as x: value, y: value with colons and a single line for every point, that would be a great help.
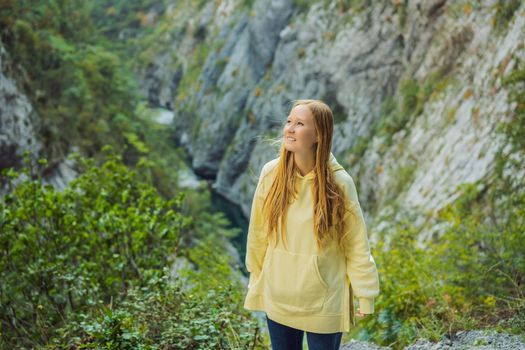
x: 163, y: 315
x: 67, y: 251
x: 471, y: 276
x: 87, y: 267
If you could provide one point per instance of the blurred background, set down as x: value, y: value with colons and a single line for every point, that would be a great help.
x: 132, y: 134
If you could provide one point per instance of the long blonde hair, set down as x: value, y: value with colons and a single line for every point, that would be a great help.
x: 328, y: 197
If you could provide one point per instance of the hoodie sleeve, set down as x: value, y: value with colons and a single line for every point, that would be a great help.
x: 360, y: 265
x: 257, y: 240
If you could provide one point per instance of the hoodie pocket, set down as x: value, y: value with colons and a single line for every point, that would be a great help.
x: 294, y: 283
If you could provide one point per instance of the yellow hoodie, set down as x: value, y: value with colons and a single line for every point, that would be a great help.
x: 300, y: 287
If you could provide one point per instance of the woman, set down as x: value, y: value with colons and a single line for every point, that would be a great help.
x: 307, y: 248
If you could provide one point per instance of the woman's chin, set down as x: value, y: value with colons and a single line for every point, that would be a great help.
x: 288, y: 148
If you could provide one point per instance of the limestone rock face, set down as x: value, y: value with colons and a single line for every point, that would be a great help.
x: 17, y: 130
x: 250, y: 53
x: 416, y: 91
x: 19, y: 133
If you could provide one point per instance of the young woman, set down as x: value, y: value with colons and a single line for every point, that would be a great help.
x: 307, y: 249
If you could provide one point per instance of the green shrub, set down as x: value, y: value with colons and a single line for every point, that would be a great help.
x: 395, y: 114
x: 514, y: 129
x: 71, y: 250
x: 471, y: 275
x: 88, y: 266
x: 468, y: 277
x: 71, y: 74
x: 163, y: 315
x: 505, y: 10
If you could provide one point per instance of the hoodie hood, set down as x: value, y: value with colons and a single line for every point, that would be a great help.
x: 332, y: 163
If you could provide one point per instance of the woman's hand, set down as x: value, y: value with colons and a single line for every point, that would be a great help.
x: 360, y: 314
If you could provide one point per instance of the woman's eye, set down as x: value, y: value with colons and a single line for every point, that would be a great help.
x: 300, y: 123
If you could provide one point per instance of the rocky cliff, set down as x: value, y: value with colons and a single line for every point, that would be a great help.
x: 17, y: 129
x: 20, y: 131
x: 415, y: 87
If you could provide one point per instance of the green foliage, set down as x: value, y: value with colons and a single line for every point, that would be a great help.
x: 396, y: 114
x: 515, y: 128
x: 341, y: 5
x: 193, y: 72
x: 410, y: 92
x: 88, y: 266
x: 472, y: 274
x: 117, y: 17
x: 360, y: 146
x: 70, y: 73
x: 354, y: 5
x: 402, y: 12
x: 414, y: 96
x: 404, y: 176
x: 247, y: 4
x: 151, y: 149
x: 80, y: 268
x: 505, y: 10
x: 302, y: 5
x: 392, y: 119
x: 407, y: 283
x: 490, y: 255
x: 469, y: 277
x: 339, y: 118
x: 67, y: 251
x: 165, y: 315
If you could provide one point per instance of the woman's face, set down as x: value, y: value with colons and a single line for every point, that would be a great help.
x: 299, y: 131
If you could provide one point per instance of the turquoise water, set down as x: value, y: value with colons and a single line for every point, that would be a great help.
x: 237, y: 219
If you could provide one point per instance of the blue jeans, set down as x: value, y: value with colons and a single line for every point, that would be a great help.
x: 288, y: 338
